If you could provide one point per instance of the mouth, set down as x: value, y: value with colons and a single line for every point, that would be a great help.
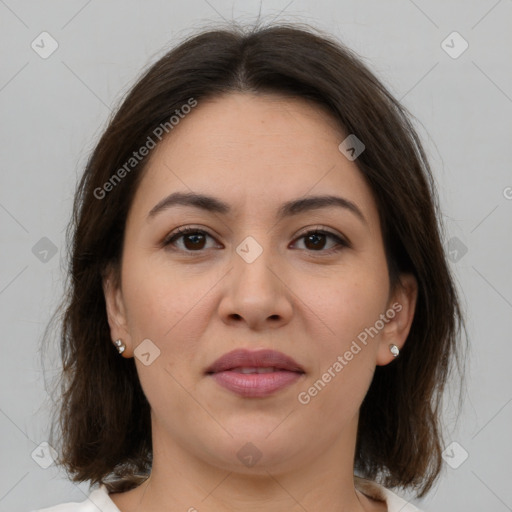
x: 255, y: 374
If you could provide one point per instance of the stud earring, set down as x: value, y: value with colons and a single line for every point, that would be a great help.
x: 394, y: 350
x: 120, y: 346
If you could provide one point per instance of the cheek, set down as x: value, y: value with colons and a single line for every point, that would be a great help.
x: 345, y: 354
x: 346, y: 309
x: 160, y: 298
x: 349, y: 303
x: 165, y: 309
x: 172, y: 309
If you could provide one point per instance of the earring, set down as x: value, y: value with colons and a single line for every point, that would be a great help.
x: 120, y: 346
x: 394, y: 350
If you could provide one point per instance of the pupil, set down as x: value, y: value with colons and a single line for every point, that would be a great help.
x: 194, y: 239
x: 315, y: 239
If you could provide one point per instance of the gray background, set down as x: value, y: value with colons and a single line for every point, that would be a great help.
x: 53, y: 110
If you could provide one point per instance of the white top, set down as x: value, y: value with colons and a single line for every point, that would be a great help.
x: 100, y: 499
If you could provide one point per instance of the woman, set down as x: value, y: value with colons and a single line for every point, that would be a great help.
x: 260, y: 315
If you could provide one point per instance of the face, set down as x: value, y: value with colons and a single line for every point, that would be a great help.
x: 309, y: 282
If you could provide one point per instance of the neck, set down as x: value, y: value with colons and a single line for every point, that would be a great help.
x: 181, y: 481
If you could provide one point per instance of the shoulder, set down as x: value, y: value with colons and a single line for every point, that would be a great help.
x: 97, y: 499
x: 393, y: 501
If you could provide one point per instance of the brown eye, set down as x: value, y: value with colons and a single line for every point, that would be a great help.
x: 193, y: 239
x: 316, y: 240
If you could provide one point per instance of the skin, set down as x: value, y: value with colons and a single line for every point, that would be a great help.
x: 255, y: 153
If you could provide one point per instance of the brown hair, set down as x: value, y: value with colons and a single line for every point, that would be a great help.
x: 103, y: 414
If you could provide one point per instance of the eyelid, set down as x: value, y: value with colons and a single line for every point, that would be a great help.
x: 323, y: 230
x: 184, y: 230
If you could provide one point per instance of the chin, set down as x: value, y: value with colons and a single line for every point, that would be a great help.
x: 257, y: 447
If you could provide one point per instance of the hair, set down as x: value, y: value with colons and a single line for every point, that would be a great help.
x: 103, y: 416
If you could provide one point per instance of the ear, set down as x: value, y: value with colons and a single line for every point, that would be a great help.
x: 116, y: 311
x: 400, y: 314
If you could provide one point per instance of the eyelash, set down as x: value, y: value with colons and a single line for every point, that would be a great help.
x: 180, y: 232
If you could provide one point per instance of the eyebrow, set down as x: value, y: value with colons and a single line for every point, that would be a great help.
x: 288, y: 209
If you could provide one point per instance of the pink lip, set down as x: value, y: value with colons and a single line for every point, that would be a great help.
x: 255, y: 385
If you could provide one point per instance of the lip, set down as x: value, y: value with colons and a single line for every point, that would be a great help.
x: 254, y: 358
x: 255, y: 385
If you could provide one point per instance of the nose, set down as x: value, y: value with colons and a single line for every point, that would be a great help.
x: 256, y: 293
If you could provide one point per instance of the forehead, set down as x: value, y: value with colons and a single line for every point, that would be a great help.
x: 252, y: 120
x: 254, y: 151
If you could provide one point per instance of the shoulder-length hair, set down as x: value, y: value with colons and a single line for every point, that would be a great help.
x: 104, y: 429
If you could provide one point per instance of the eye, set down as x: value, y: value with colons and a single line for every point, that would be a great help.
x: 316, y: 240
x: 193, y: 238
